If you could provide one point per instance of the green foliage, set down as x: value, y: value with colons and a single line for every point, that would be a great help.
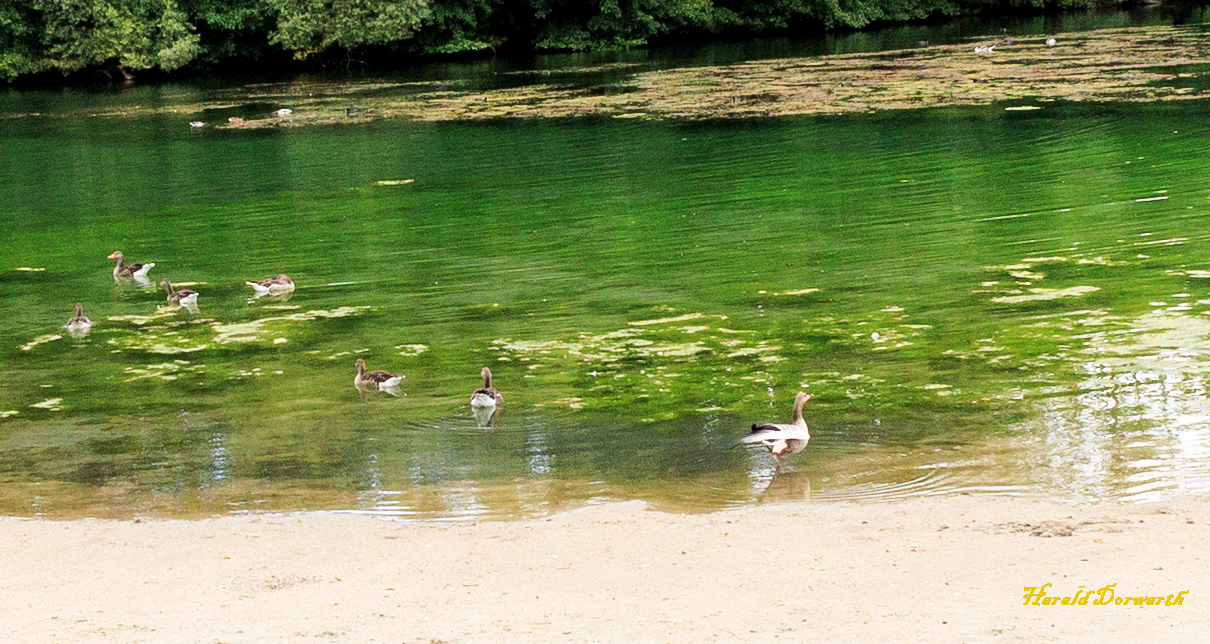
x: 127, y: 34
x: 454, y: 26
x: 616, y: 24
x: 20, y: 27
x: 605, y: 24
x: 232, y: 28
x: 855, y: 13
x: 70, y: 35
x: 311, y: 26
x: 759, y: 15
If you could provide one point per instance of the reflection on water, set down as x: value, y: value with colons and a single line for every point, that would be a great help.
x: 1139, y: 426
x: 980, y: 300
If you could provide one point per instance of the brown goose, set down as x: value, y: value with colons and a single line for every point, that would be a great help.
x: 78, y: 323
x: 184, y: 297
x: 486, y: 396
x: 135, y: 271
x: 780, y: 438
x: 377, y: 380
x: 279, y: 285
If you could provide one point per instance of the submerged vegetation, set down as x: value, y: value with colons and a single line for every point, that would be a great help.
x: 119, y: 37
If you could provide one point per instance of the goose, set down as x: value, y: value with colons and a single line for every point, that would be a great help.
x: 780, y: 438
x: 486, y: 396
x: 279, y: 285
x: 184, y: 297
x: 376, y: 380
x: 136, y: 271
x: 78, y: 323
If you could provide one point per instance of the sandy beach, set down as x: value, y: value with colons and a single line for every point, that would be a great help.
x: 938, y: 569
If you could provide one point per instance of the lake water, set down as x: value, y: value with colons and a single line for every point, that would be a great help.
x: 981, y: 300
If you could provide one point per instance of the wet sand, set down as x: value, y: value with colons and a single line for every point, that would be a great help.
x: 938, y: 569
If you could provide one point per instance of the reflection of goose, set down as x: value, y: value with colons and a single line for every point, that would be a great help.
x: 184, y: 297
x: 78, y: 324
x: 787, y: 486
x: 377, y: 380
x: 486, y: 396
x: 136, y: 271
x: 783, y: 439
x: 484, y: 415
x: 273, y: 286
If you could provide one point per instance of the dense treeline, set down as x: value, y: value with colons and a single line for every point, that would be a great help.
x: 128, y: 35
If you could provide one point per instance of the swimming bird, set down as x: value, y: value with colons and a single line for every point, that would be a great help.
x: 78, y: 324
x: 781, y: 438
x: 135, y: 271
x: 486, y: 396
x: 279, y: 285
x: 184, y: 297
x: 377, y: 380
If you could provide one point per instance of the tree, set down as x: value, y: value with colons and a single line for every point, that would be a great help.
x: 120, y: 34
x: 617, y: 24
x: 454, y: 26
x: 20, y: 44
x: 308, y: 27
x: 231, y: 28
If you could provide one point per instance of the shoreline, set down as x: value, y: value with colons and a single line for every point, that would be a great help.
x: 1125, y: 64
x: 921, y: 570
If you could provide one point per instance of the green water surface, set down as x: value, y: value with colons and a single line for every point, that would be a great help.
x: 980, y: 300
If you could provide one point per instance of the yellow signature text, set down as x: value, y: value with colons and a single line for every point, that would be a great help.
x: 1037, y: 596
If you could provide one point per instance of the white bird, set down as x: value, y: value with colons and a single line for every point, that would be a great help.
x: 279, y: 285
x: 980, y: 49
x: 197, y: 124
x: 377, y: 380
x: 78, y: 324
x: 486, y: 396
x: 283, y: 112
x: 1050, y: 42
x: 781, y: 438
